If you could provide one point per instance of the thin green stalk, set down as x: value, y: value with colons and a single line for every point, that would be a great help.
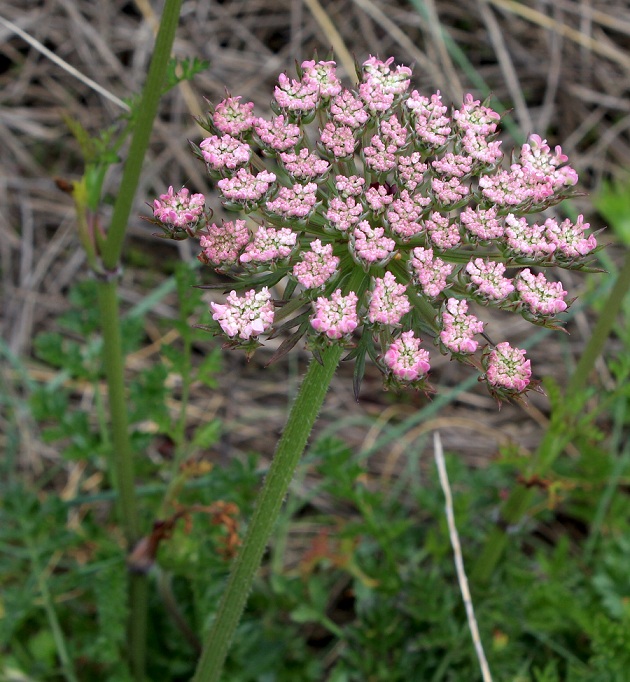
x: 122, y: 455
x: 123, y: 468
x: 55, y: 627
x: 178, y: 479
x: 602, y: 329
x: 290, y: 448
x: 180, y: 427
x: 165, y: 590
x: 101, y: 415
x: 137, y: 624
x: 110, y: 253
x: 555, y: 440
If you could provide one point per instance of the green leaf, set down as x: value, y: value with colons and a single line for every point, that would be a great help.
x: 133, y: 334
x: 187, y: 292
x: 207, y: 434
x: 55, y: 350
x: 614, y: 204
x: 48, y: 404
x: 148, y: 393
x: 305, y: 614
x: 175, y: 357
x: 42, y: 647
x: 210, y: 368
x: 84, y: 317
x: 179, y: 70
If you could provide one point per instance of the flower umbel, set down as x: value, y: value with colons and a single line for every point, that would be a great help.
x: 406, y: 360
x: 247, y: 316
x: 387, y: 214
x: 508, y: 373
x: 179, y: 212
x: 336, y: 317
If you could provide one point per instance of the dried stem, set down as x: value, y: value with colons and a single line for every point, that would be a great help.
x: 459, y: 561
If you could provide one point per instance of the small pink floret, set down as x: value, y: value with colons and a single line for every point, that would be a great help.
x: 223, y: 243
x: 245, y: 316
x: 224, y: 152
x: 317, y: 266
x: 458, y: 328
x: 337, y: 316
x: 388, y: 302
x: 541, y: 296
x: 405, y: 358
x: 179, y: 209
x: 508, y: 368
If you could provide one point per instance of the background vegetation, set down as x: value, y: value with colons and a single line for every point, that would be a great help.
x: 359, y: 582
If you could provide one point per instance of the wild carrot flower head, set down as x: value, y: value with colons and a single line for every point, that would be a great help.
x: 379, y: 216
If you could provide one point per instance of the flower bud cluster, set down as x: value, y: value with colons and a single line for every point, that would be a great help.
x: 385, y: 215
x: 179, y: 213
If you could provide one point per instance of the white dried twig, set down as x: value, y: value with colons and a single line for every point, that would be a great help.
x: 33, y: 42
x: 459, y: 561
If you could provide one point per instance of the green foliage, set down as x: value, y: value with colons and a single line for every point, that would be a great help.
x: 98, y: 152
x: 76, y: 349
x: 361, y: 588
x: 613, y: 203
x: 372, y: 596
x: 94, y: 149
x: 179, y: 70
x: 42, y: 553
x: 611, y: 647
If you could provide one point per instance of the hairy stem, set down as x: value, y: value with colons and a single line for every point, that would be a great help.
x: 110, y: 252
x: 122, y: 466
x: 146, y: 113
x: 122, y: 455
x: 290, y: 448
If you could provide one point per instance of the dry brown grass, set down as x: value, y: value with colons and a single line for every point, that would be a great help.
x: 563, y: 67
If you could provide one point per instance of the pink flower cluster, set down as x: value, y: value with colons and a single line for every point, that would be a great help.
x: 385, y: 211
x: 245, y: 316
x: 179, y: 209
x: 336, y: 316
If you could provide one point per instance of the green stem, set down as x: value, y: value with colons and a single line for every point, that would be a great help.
x: 49, y: 606
x: 602, y: 329
x: 555, y: 440
x: 123, y: 467
x: 165, y: 590
x: 137, y: 624
x: 177, y: 479
x: 110, y: 253
x: 290, y: 448
x: 180, y: 428
x: 122, y: 455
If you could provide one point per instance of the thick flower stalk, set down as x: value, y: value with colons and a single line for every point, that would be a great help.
x: 387, y: 181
